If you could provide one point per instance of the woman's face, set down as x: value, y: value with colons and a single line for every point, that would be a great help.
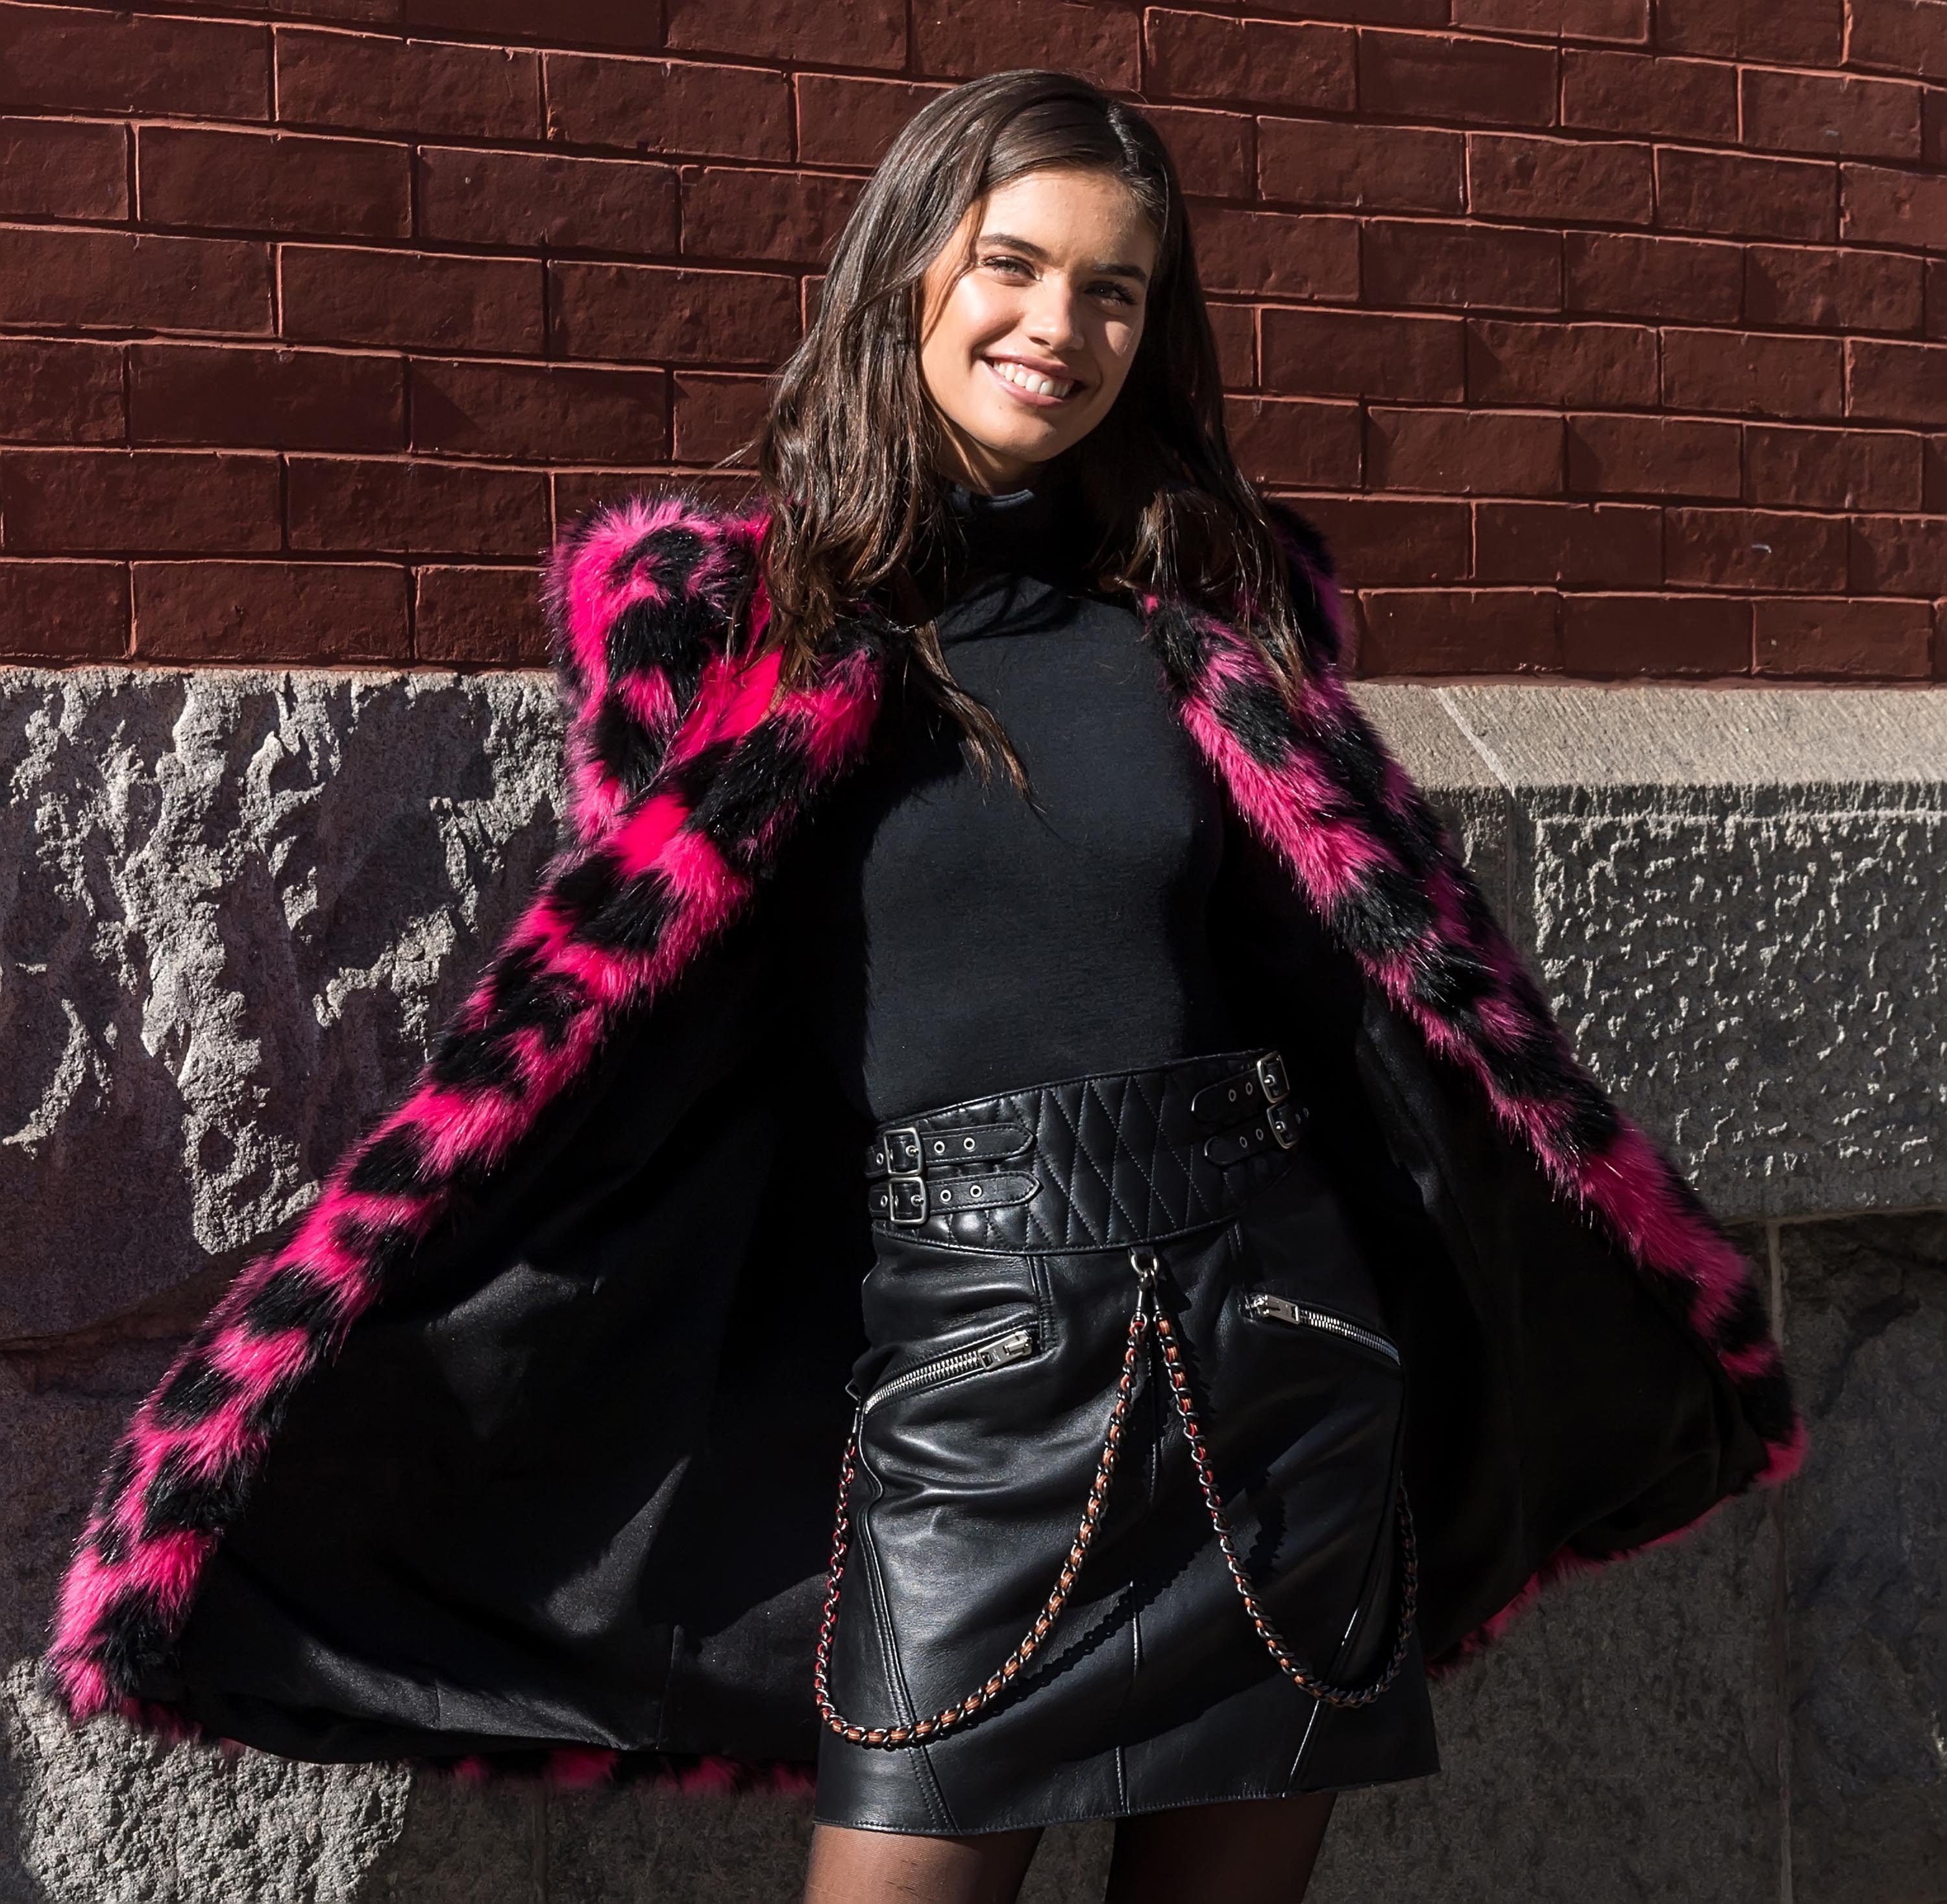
x: 1030, y: 318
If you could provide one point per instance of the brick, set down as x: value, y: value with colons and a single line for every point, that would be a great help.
x: 69, y: 59
x: 56, y: 169
x: 852, y: 121
x: 1840, y: 639
x: 1235, y: 327
x: 1898, y: 555
x: 478, y: 618
x: 1571, y: 545
x: 275, y: 181
x: 1626, y: 20
x: 1650, y: 95
x: 235, y: 396
x: 1832, y: 113
x: 1601, y: 182
x: 1216, y: 153
x: 1389, y: 542
x: 1744, y: 198
x: 716, y: 417
x: 1616, y: 637
x: 1936, y: 476
x: 732, y: 112
x: 53, y: 390
x: 1896, y: 383
x: 546, y: 413
x: 1756, y: 549
x: 378, y: 12
x: 1624, y: 274
x: 652, y: 311
x: 125, y: 280
x: 1430, y: 75
x: 398, y: 505
x: 1461, y: 267
x: 540, y: 199
x: 1277, y: 254
x: 1753, y: 374
x: 1933, y: 125
x: 1374, y: 168
x: 1826, y: 289
x: 72, y: 501
x: 1463, y: 452
x: 870, y: 33
x: 1259, y: 63
x: 961, y: 39
x: 1560, y: 364
x: 1795, y: 32
x: 627, y: 24
x: 1881, y: 207
x: 1655, y: 455
x: 1936, y: 297
x: 1357, y: 354
x: 1458, y: 631
x: 1389, y: 13
x: 1286, y: 442
x: 786, y: 218
x: 412, y: 300
x: 63, y: 610
x: 270, y: 612
x: 576, y: 490
x: 1909, y: 36
x: 427, y: 88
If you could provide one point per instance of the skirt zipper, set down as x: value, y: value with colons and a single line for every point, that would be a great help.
x: 1268, y: 1307
x: 996, y: 1352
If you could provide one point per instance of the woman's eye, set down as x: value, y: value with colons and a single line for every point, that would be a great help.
x: 1002, y: 262
x: 1119, y: 293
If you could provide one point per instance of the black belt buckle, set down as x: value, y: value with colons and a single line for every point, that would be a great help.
x: 906, y: 1188
x: 1272, y: 1079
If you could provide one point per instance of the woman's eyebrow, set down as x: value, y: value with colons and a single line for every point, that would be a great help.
x: 1111, y: 270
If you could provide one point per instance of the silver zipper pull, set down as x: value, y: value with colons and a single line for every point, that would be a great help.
x: 1009, y: 1349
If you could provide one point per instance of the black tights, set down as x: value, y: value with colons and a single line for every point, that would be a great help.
x: 1255, y: 1851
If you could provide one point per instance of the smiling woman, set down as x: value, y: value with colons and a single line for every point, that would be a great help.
x: 1247, y: 1300
x: 1033, y: 314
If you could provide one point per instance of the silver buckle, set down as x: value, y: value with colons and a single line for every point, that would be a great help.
x: 1284, y: 1120
x: 906, y: 1188
x: 1271, y: 1078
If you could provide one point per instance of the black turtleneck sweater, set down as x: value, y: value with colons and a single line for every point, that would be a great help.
x: 954, y: 940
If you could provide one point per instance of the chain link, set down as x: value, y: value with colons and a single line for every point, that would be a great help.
x: 1149, y: 1314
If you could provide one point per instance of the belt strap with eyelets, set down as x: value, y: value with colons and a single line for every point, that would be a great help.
x: 913, y: 1173
x: 899, y: 1157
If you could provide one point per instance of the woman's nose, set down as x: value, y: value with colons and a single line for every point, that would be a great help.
x: 1052, y: 319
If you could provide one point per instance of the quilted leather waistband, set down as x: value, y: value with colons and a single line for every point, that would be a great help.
x: 1110, y: 1160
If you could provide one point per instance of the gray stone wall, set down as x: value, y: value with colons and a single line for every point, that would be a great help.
x: 237, y: 902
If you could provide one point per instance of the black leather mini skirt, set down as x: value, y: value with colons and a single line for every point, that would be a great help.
x: 1121, y: 1526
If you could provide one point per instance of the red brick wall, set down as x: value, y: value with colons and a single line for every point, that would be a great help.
x: 1606, y: 337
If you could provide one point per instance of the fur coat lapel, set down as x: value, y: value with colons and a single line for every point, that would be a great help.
x: 686, y: 774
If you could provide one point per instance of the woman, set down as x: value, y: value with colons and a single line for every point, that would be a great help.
x: 1258, y: 1303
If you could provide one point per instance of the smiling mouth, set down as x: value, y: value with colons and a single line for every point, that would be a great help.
x: 1032, y: 384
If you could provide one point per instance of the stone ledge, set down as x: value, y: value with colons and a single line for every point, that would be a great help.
x: 244, y: 899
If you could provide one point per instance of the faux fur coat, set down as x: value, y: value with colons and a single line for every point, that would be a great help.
x: 524, y: 1442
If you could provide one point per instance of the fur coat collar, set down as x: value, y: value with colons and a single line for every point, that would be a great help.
x: 687, y: 774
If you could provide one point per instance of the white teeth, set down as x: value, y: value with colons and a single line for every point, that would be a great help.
x: 1031, y: 380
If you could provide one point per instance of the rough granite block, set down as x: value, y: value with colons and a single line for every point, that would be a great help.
x: 1621, y: 1744
x: 1866, y: 1529
x: 237, y: 905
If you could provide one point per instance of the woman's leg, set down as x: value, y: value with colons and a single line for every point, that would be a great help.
x: 852, y: 1867
x: 1252, y: 1851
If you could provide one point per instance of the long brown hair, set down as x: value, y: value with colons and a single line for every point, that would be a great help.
x: 848, y: 460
